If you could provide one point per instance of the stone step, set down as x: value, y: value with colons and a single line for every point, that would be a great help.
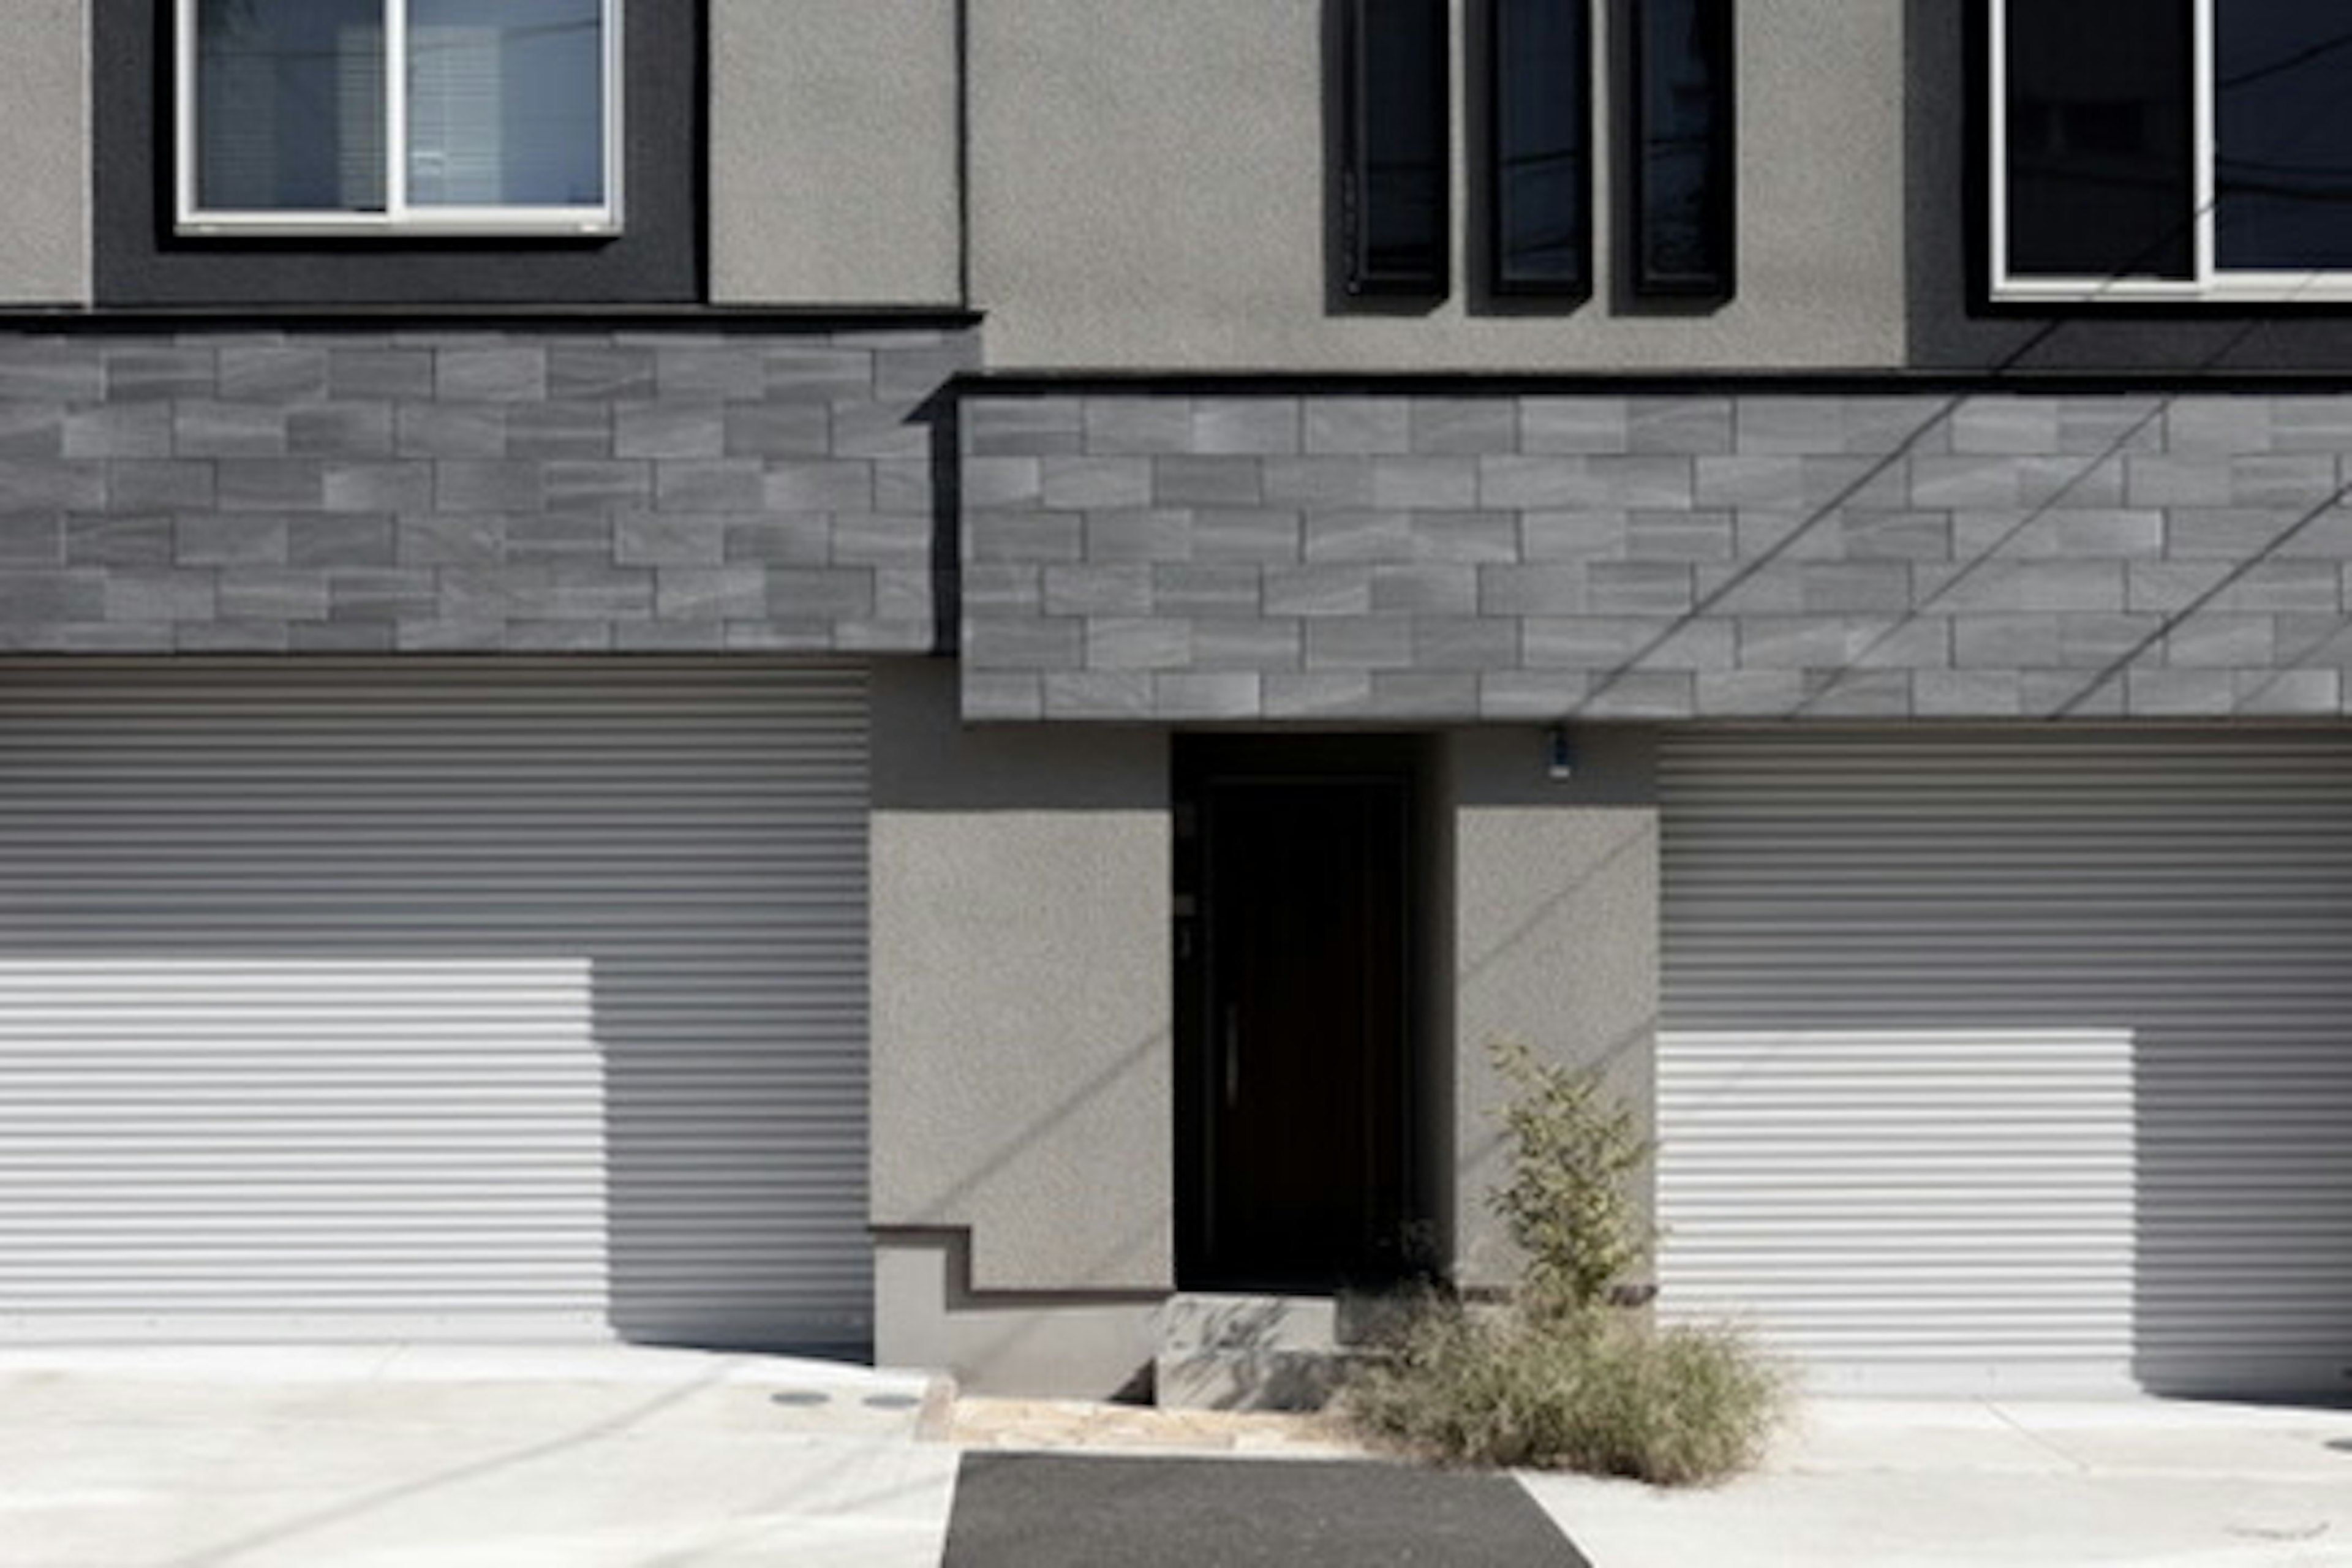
x: 1233, y: 1351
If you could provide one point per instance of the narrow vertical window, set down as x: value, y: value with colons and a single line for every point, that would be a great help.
x: 2100, y: 139
x: 1685, y: 179
x: 1542, y: 189
x: 1394, y: 194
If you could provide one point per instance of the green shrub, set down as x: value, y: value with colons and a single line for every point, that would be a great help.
x: 1595, y: 1390
x: 1560, y: 1379
x: 1569, y: 1201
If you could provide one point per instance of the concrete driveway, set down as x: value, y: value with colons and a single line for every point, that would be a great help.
x: 617, y: 1457
x: 509, y: 1456
x: 2013, y: 1484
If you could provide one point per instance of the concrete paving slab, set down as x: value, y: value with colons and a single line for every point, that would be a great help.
x: 2018, y: 1484
x: 1946, y: 1520
x: 604, y: 1458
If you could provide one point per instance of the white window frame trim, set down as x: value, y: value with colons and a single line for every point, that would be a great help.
x: 400, y: 219
x: 2210, y: 286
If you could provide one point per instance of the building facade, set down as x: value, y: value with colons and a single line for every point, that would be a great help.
x: 910, y: 675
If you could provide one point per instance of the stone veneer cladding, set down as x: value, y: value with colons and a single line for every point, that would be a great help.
x: 1734, y: 554
x: 554, y: 488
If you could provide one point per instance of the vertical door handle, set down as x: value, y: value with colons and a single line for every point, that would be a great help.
x: 1233, y: 1056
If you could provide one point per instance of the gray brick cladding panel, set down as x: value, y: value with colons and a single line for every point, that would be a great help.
x: 471, y: 490
x: 1724, y: 554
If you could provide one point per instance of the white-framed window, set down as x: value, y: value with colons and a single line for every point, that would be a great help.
x: 398, y: 117
x: 2171, y: 149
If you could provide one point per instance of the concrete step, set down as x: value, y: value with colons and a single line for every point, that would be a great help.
x: 1233, y: 1351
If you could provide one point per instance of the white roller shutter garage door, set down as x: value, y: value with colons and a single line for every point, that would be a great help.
x: 2014, y: 1060
x: 353, y: 1000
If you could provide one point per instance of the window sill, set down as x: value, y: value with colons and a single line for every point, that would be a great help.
x: 2317, y: 288
x: 338, y: 227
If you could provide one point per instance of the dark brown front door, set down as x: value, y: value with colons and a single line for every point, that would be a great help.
x: 1297, y: 966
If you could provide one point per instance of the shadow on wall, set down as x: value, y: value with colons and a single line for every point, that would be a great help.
x: 1246, y: 1353
x: 940, y: 415
x: 2186, y: 887
x: 525, y: 998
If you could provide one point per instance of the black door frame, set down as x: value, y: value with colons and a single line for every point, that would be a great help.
x: 1202, y: 764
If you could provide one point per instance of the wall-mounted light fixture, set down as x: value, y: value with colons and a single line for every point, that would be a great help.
x: 1560, y: 757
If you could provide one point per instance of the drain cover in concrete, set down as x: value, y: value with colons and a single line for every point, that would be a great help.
x: 1054, y: 1510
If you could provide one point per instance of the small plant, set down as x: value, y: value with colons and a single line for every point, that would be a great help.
x: 1559, y: 1378
x: 1569, y: 1201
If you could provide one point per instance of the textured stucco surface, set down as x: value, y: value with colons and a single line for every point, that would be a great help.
x: 1553, y: 940
x: 1722, y: 551
x: 1023, y: 1005
x: 1069, y: 1347
x: 44, y: 85
x: 1150, y: 189
x: 834, y: 153
x: 570, y: 488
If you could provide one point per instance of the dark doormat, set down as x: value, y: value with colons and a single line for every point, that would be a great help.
x: 1048, y: 1510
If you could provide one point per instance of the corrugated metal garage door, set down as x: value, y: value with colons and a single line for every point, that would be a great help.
x: 2014, y: 1059
x: 345, y: 999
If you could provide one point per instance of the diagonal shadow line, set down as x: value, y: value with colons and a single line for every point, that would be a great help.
x: 1492, y: 1143
x: 963, y: 1296
x: 1708, y: 603
x: 1013, y: 1148
x: 338, y: 1514
x: 2309, y: 653
x: 995, y: 1320
x: 2161, y: 408
x: 1497, y: 950
x: 2173, y: 621
x: 1855, y: 668
x: 2028, y: 346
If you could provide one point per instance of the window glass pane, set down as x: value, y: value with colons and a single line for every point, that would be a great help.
x: 1683, y: 241
x: 289, y: 105
x: 506, y: 103
x: 2282, y: 134
x: 1398, y: 115
x: 1541, y: 184
x: 2100, y: 138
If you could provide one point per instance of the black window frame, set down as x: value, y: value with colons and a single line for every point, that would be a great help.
x: 397, y: 214
x: 139, y: 261
x: 1367, y: 25
x: 1510, y: 74
x: 1717, y: 34
x: 2200, y: 280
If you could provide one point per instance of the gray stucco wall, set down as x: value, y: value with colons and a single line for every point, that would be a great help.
x: 1150, y: 188
x: 572, y: 487
x: 1715, y: 552
x: 834, y: 153
x: 1087, y: 1345
x: 1023, y: 997
x: 1552, y: 940
x: 45, y: 86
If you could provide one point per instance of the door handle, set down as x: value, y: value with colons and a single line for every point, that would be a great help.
x: 1233, y: 1056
